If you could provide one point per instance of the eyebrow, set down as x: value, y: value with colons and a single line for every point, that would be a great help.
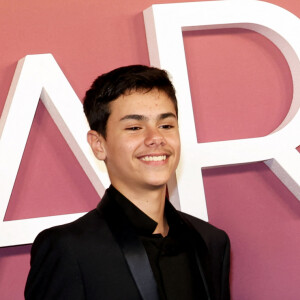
x: 167, y: 115
x: 134, y: 117
x: 144, y: 118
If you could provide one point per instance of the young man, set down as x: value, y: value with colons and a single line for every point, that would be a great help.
x: 134, y: 245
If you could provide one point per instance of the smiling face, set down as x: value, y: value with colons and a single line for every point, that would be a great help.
x: 142, y: 145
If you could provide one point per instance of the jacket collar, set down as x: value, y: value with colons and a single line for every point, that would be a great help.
x: 134, y: 251
x: 132, y: 248
x: 201, y: 255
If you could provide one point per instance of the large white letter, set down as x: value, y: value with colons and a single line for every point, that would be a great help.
x: 39, y: 76
x: 164, y: 25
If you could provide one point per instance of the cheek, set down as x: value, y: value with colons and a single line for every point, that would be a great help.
x: 131, y: 144
x: 124, y: 151
x: 174, y: 142
x: 178, y: 150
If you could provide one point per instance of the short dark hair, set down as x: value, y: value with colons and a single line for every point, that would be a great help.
x: 109, y: 86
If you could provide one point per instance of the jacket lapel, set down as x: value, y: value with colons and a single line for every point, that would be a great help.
x: 203, y: 273
x: 132, y: 248
x: 200, y: 253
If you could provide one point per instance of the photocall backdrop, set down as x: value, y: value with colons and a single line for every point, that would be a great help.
x: 241, y: 87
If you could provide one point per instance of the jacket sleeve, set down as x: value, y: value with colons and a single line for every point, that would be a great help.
x: 54, y: 272
x: 225, y: 293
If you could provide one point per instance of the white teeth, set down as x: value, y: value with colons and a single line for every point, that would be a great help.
x: 154, y: 158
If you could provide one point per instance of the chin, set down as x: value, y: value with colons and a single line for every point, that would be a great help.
x: 157, y: 184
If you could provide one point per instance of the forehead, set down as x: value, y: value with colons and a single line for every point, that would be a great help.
x: 142, y: 102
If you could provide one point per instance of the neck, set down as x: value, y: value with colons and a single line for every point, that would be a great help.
x: 151, y: 202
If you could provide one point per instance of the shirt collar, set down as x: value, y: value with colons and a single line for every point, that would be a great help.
x: 142, y: 223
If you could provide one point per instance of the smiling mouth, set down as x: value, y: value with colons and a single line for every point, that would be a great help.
x: 154, y: 158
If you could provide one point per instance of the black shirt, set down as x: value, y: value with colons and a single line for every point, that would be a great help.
x: 172, y: 258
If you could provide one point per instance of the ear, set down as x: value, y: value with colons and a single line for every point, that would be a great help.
x: 97, y: 143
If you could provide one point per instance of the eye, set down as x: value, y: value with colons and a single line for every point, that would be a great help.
x: 166, y: 126
x: 133, y: 128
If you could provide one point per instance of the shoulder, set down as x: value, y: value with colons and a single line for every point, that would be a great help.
x: 209, y: 233
x: 56, y: 257
x: 75, y: 233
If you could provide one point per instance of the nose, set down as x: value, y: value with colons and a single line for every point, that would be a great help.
x: 154, y: 138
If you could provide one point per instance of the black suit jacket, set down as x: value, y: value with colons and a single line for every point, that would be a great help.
x: 99, y: 256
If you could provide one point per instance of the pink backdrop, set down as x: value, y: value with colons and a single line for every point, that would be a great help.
x: 241, y: 87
